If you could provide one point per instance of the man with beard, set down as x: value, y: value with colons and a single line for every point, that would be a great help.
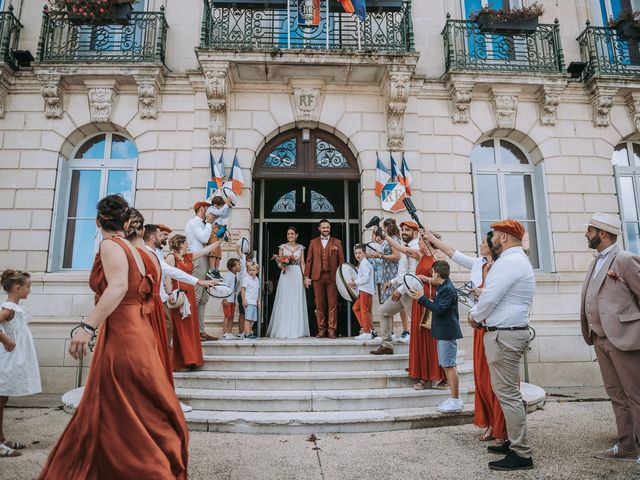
x: 610, y: 320
x: 400, y: 298
x: 503, y: 312
x: 155, y: 237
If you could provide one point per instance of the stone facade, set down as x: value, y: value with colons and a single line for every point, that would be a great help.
x: 176, y: 115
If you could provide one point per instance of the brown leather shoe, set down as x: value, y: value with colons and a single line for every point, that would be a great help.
x: 321, y: 335
x: 332, y: 336
x: 382, y: 351
x: 205, y: 337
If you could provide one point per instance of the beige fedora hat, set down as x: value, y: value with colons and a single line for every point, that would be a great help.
x: 606, y: 222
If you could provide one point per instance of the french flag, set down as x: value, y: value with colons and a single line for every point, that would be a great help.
x: 382, y: 176
x: 407, y: 178
x: 217, y: 173
x: 395, y: 173
x: 358, y: 7
x: 236, y: 178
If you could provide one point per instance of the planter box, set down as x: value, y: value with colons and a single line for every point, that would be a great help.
x: 491, y: 23
x: 627, y: 29
x: 251, y: 4
x: 120, y: 16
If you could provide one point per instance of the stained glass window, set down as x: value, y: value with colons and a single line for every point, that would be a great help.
x: 320, y: 203
x: 328, y: 156
x: 286, y: 203
x: 283, y: 156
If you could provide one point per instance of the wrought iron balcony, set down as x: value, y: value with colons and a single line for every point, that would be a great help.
x: 143, y: 40
x: 467, y: 48
x: 606, y: 52
x: 284, y: 28
x: 9, y: 35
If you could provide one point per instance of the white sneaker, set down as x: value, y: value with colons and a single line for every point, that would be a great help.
x: 363, y: 336
x: 404, y: 338
x: 185, y: 408
x: 451, y: 405
x: 228, y: 336
x: 394, y: 338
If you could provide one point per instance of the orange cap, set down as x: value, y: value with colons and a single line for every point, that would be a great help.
x: 512, y: 227
x: 197, y: 205
x: 164, y: 228
x: 410, y: 224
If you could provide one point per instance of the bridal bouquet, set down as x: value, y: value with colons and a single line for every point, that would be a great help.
x: 284, y: 261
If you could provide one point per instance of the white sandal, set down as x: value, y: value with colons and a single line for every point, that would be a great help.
x: 8, y: 452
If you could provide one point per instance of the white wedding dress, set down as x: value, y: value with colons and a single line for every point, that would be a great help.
x: 289, y: 318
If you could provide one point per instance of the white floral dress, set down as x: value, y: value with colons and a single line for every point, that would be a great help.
x: 19, y: 372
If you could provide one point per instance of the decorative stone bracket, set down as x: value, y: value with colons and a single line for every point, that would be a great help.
x: 548, y: 102
x: 460, y: 95
x: 102, y: 95
x: 633, y: 107
x: 601, y: 98
x: 504, y: 101
x: 306, y: 100
x: 52, y: 94
x: 148, y: 92
x: 217, y: 91
x: 397, y: 94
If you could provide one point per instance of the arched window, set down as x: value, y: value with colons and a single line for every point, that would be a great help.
x: 626, y: 166
x: 102, y: 164
x: 507, y: 185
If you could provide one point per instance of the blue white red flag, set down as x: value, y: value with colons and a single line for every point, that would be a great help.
x: 360, y: 8
x: 406, y: 176
x: 217, y: 169
x: 235, y: 177
x: 382, y: 175
x: 395, y: 173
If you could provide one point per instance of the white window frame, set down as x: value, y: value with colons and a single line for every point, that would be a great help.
x: 632, y: 171
x: 61, y: 202
x: 541, y: 216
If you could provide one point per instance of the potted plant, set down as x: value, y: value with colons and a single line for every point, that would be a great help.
x: 627, y: 24
x: 514, y: 21
x: 95, y: 12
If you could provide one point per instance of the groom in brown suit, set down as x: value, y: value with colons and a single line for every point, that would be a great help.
x: 324, y: 256
x: 610, y: 318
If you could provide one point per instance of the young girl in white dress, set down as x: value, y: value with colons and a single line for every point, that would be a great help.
x: 19, y: 373
x: 289, y: 318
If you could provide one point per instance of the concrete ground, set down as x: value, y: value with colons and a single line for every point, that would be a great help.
x: 564, y: 435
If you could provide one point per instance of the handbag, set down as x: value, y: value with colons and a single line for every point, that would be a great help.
x: 180, y: 297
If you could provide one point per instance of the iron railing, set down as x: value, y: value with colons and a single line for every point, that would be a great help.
x: 9, y: 35
x: 467, y: 48
x: 607, y: 53
x: 143, y: 40
x: 275, y: 29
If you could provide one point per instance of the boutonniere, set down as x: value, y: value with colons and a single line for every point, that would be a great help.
x: 614, y: 276
x: 334, y: 248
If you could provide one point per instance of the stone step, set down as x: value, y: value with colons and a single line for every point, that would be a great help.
x: 301, y: 346
x: 343, y: 421
x: 308, y: 363
x: 312, y: 400
x: 344, y: 380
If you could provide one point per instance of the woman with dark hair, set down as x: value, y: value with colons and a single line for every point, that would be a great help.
x: 129, y: 423
x: 187, y: 348
x: 289, y: 318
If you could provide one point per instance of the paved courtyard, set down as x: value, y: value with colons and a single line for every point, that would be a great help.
x: 563, y: 435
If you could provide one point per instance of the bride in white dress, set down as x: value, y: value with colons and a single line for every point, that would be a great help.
x: 289, y: 318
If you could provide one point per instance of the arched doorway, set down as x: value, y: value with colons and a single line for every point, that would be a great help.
x: 300, y: 177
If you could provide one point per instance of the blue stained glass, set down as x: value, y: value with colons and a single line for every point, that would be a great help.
x: 286, y: 203
x: 283, y: 156
x: 328, y: 156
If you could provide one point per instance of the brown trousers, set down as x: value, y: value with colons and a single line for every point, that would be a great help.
x: 325, y: 293
x: 621, y: 376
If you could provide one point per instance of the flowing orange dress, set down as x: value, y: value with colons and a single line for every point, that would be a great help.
x: 423, y: 348
x: 155, y: 315
x: 187, y: 349
x: 487, y: 409
x: 129, y: 424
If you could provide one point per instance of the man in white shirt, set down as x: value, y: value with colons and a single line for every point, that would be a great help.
x: 409, y: 257
x: 198, y: 232
x: 503, y: 311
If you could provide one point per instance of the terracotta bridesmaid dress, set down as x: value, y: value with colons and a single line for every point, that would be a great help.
x: 129, y: 424
x: 423, y: 348
x: 187, y: 349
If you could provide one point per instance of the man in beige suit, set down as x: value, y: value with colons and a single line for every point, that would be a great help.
x: 610, y: 318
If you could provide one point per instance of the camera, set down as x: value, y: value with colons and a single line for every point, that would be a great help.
x: 411, y: 210
x: 375, y: 220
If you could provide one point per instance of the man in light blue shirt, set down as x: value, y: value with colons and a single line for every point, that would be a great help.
x: 503, y: 311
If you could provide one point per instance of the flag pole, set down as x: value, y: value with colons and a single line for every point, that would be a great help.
x: 328, y: 23
x: 359, y: 28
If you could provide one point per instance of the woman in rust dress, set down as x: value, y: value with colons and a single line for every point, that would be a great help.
x: 187, y: 349
x: 129, y: 424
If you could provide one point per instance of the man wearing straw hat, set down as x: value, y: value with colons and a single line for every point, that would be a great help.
x: 610, y: 320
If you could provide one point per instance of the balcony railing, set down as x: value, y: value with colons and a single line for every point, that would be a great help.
x: 467, y: 48
x: 9, y: 35
x: 607, y: 53
x: 143, y: 40
x: 280, y: 29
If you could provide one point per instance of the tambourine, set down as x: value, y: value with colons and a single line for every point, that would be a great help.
x: 220, y: 291
x: 413, y: 283
x: 229, y: 194
x: 373, y: 247
x: 243, y: 243
x: 346, y: 274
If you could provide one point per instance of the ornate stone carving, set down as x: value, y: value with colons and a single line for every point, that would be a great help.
x: 460, y: 95
x: 147, y: 100
x: 53, y: 96
x: 601, y: 106
x: 307, y: 102
x: 397, y: 93
x: 633, y: 107
x: 217, y: 90
x: 548, y: 101
x: 101, y: 100
x: 505, y: 107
